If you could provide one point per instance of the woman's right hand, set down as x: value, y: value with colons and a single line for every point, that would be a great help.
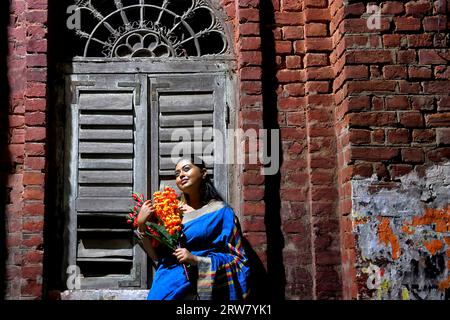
x: 146, y: 212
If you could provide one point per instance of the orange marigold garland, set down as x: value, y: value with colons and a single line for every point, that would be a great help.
x: 167, y: 210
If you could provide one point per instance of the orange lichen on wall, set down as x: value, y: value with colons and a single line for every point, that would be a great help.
x: 439, y: 217
x: 387, y: 236
x: 360, y: 220
x: 444, y: 284
x: 433, y: 246
x: 406, y: 229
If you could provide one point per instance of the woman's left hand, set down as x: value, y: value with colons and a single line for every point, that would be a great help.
x: 184, y: 256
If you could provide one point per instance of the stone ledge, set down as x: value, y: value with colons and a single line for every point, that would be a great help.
x: 104, y: 295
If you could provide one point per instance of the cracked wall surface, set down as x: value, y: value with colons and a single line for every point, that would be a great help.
x: 402, y: 232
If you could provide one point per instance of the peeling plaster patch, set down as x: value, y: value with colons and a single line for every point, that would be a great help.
x: 402, y: 229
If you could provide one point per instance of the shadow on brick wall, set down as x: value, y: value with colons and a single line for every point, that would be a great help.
x: 4, y: 125
x: 53, y: 274
x: 275, y: 239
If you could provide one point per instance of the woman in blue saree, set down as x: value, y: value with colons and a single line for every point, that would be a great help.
x: 212, y: 251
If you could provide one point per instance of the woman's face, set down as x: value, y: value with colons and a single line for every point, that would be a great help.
x: 188, y: 176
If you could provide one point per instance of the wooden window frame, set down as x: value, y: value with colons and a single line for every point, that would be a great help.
x: 137, y: 77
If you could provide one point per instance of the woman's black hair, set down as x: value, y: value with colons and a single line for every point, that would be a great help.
x: 207, y: 189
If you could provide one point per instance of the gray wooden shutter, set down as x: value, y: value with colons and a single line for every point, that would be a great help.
x: 177, y: 101
x: 106, y: 153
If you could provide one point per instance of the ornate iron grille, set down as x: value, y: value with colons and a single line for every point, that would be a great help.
x: 150, y: 28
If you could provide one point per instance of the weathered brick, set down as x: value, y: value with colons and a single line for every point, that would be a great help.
x: 411, y: 119
x: 398, y: 136
x: 250, y: 58
x: 33, y: 178
x: 283, y: 47
x: 418, y: 8
x: 359, y: 136
x: 442, y: 72
x: 443, y: 104
x: 33, y: 209
x: 35, y: 118
x: 251, y: 87
x: 291, y: 104
x: 253, y: 208
x: 443, y: 136
x: 317, y: 87
x: 291, y: 5
x: 369, y: 56
x: 37, y: 46
x: 315, y: 59
x: 432, y: 56
x: 436, y: 87
x: 372, y: 119
x: 35, y: 134
x: 424, y: 135
x: 35, y: 149
x: 254, y: 194
x: 35, y: 89
x: 378, y: 136
x: 313, y: 14
x: 419, y: 72
x: 293, y: 32
x: 393, y: 40
x: 406, y: 56
x: 315, y: 44
x: 407, y: 24
x: 295, y: 118
x: 295, y: 89
x: 373, y: 85
x: 409, y: 87
x: 392, y: 7
x: 293, y: 62
x: 398, y: 170
x: 422, y: 103
x: 37, y: 16
x: 316, y: 30
x: 415, y: 155
x: 438, y: 120
x: 35, y: 193
x: 249, y: 29
x: 250, y: 43
x: 397, y: 103
x: 287, y: 76
x: 289, y: 18
x: 420, y: 40
x: 394, y: 72
x: 319, y: 73
x: 248, y: 15
x: 251, y: 73
x: 435, y: 23
x: 373, y: 153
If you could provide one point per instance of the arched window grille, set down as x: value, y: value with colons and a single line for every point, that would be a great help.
x: 150, y: 28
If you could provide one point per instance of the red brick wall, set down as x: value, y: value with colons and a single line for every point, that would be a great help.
x: 392, y: 99
x: 27, y: 65
x: 349, y: 102
x: 308, y: 224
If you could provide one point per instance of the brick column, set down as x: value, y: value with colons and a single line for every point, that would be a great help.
x: 27, y: 64
x: 391, y: 92
x: 322, y: 195
x: 249, y: 59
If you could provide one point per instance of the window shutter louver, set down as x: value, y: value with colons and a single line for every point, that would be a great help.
x: 178, y: 102
x: 119, y: 138
x: 107, y: 147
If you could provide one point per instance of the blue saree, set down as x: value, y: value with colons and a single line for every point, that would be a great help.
x: 212, y: 233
